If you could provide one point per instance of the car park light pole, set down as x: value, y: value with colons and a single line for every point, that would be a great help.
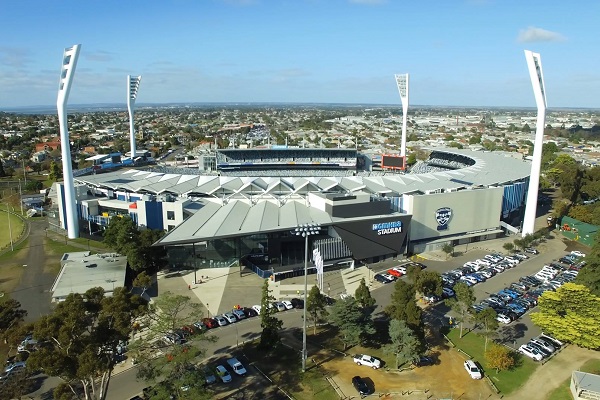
x: 305, y: 230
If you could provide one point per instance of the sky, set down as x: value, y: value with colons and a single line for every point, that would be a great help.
x: 457, y: 52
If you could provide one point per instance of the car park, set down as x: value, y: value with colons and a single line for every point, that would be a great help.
x: 361, y: 386
x: 472, y: 369
x: 530, y: 352
x: 223, y: 374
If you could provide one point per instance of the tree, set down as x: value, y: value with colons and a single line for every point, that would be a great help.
x: 269, y: 323
x: 2, y: 172
x: 363, y: 295
x: 487, y: 319
x: 429, y: 282
x: 166, y: 317
x: 405, y: 345
x: 315, y: 307
x: 412, y: 272
x: 351, y: 320
x: 570, y: 314
x: 500, y: 358
x: 11, y: 315
x: 448, y: 249
x: 83, y: 334
x: 463, y: 300
x: 143, y: 280
x: 403, y: 305
x: 33, y: 186
x: 508, y: 246
x: 55, y: 172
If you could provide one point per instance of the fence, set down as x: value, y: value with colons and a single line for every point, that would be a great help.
x: 256, y: 269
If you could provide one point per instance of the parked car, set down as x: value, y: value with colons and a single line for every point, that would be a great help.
x: 369, y: 361
x: 239, y: 314
x: 297, y: 303
x: 401, y: 269
x: 530, y: 352
x: 503, y: 318
x: 209, y: 376
x: 230, y: 317
x: 221, y: 320
x: 222, y: 373
x: 210, y: 323
x: 382, y: 279
x: 521, y: 256
x: 279, y: 306
x: 424, y: 361
x: 447, y: 292
x: 288, y: 304
x: 472, y: 369
x: 256, y: 308
x: 249, y: 312
x: 394, y: 272
x: 555, y: 342
x: 236, y: 366
x: 361, y: 386
x: 391, y: 278
x: 542, y: 343
x: 531, y: 250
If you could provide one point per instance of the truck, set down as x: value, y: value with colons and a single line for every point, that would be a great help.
x: 236, y: 366
x: 369, y: 361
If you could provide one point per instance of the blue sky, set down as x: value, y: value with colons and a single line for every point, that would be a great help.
x: 458, y: 52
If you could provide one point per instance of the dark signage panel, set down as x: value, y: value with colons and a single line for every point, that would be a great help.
x: 392, y: 162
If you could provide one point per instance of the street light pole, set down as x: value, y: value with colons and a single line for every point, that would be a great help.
x: 305, y: 230
x: 9, y: 227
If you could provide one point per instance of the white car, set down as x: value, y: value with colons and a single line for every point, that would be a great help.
x: 503, y: 318
x: 577, y: 253
x: 256, y: 308
x: 222, y: 373
x: 530, y: 352
x: 483, y: 262
x: 470, y: 264
x: 221, y: 320
x: 473, y: 369
x: 447, y: 292
x: 400, y: 269
x: 288, y: 304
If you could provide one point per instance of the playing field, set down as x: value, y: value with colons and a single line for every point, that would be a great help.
x: 16, y: 226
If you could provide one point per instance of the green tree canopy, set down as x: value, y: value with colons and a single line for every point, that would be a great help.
x: 316, y: 307
x: 429, y: 282
x: 405, y: 345
x: 270, y: 324
x: 403, y: 305
x: 363, y: 295
x: 352, y: 321
x: 570, y: 314
x: 461, y: 303
x: 82, y: 335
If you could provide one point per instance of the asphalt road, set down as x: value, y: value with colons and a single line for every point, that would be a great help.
x: 33, y: 291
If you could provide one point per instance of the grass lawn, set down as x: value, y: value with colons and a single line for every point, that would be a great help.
x: 16, y: 226
x: 11, y: 268
x: 506, y: 381
x: 54, y: 251
x: 563, y: 391
x: 283, y: 366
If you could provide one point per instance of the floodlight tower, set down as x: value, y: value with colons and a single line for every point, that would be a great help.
x: 534, y: 64
x: 69, y: 63
x: 133, y: 84
x: 402, y: 82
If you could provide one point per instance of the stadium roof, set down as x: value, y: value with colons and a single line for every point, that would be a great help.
x: 489, y: 169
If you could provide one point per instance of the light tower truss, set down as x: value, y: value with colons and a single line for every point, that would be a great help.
x: 133, y: 84
x: 69, y: 63
x: 402, y: 83
x: 534, y: 64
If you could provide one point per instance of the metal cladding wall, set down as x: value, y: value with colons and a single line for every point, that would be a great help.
x: 366, y: 241
x: 446, y: 214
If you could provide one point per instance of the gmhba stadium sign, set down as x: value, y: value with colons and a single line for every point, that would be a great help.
x: 387, y: 228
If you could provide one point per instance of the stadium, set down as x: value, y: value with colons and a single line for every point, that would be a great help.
x: 247, y: 210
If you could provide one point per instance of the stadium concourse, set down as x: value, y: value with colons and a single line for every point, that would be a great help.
x: 217, y: 220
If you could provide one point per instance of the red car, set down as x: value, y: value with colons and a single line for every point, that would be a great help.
x: 210, y: 323
x: 394, y: 272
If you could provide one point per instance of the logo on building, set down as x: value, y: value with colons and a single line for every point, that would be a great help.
x: 386, y: 228
x: 443, y: 216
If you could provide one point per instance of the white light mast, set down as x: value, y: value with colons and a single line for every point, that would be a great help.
x: 534, y: 64
x: 133, y: 84
x: 402, y: 83
x: 69, y: 63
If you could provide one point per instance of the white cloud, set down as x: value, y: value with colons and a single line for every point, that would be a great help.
x: 14, y: 57
x: 533, y: 34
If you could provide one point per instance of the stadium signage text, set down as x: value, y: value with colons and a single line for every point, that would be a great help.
x: 387, y: 228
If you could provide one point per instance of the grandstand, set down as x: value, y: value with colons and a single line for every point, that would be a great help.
x: 284, y: 161
x: 439, y: 161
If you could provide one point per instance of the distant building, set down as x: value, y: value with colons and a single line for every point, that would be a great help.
x: 82, y: 271
x: 585, y: 386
